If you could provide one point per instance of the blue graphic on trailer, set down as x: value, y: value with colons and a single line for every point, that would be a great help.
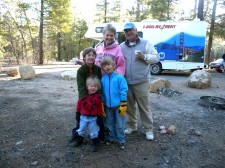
x: 180, y: 45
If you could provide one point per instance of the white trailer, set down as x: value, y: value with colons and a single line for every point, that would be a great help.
x: 181, y: 44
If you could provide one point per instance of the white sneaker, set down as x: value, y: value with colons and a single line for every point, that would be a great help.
x: 129, y: 130
x: 149, y: 135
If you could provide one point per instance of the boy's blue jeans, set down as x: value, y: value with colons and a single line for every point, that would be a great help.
x: 116, y: 125
x: 90, y: 123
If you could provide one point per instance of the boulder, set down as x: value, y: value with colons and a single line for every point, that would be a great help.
x: 68, y: 75
x: 158, y: 84
x: 26, y: 72
x: 199, y: 79
x: 12, y: 72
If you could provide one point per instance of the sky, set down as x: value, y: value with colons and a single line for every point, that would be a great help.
x: 88, y: 13
x: 87, y: 8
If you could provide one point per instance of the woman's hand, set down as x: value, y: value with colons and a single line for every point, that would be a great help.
x: 79, y: 62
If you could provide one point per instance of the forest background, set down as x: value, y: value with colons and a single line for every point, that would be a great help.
x: 36, y: 32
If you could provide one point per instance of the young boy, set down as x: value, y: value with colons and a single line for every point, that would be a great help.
x: 114, y: 87
x: 89, y: 108
x: 86, y: 70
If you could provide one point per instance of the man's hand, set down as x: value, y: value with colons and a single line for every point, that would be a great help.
x: 139, y: 55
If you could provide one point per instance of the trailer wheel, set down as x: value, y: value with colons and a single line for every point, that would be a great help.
x: 156, y: 68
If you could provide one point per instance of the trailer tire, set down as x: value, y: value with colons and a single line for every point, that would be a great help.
x: 156, y: 68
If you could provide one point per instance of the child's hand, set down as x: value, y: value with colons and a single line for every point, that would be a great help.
x: 123, y: 108
x: 116, y: 72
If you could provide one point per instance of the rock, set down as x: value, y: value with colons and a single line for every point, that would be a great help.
x: 162, y: 127
x: 12, y: 72
x: 26, y: 72
x: 19, y: 143
x: 158, y: 83
x: 199, y: 79
x: 168, y: 92
x: 193, y: 141
x: 197, y: 133
x: 68, y: 75
x: 34, y: 163
x: 171, y: 130
x: 163, y: 131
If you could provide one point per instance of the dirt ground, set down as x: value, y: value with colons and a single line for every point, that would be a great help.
x: 36, y: 118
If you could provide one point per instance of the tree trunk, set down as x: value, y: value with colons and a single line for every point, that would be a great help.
x: 168, y: 10
x: 1, y: 67
x: 207, y: 60
x: 59, y: 45
x: 25, y: 47
x: 24, y: 41
x: 200, y: 9
x: 12, y: 44
x: 14, y: 52
x: 41, y: 34
x: 31, y: 37
x: 138, y: 11
x: 105, y: 12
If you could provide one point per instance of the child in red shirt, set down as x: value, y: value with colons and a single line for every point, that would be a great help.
x: 89, y: 108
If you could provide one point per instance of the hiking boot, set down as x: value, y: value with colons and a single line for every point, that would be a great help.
x: 79, y: 141
x: 95, y: 144
x: 72, y: 139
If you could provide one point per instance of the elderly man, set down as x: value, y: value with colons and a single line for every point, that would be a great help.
x: 139, y: 54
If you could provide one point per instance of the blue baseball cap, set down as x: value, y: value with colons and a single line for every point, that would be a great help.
x: 129, y: 25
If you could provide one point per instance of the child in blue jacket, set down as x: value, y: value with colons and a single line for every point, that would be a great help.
x: 114, y: 91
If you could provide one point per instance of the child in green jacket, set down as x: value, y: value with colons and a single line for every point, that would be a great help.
x: 86, y: 70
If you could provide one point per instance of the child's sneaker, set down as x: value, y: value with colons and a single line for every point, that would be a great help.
x: 122, y: 147
x: 108, y: 142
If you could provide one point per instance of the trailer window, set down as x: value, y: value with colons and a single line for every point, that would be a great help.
x: 98, y: 29
x: 120, y: 36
